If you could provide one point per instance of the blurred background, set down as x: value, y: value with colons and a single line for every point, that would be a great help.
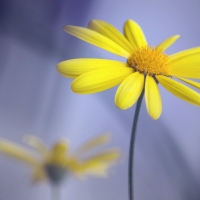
x: 35, y: 99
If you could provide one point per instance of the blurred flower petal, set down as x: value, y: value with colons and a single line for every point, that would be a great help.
x: 36, y: 143
x: 17, y: 152
x: 59, y: 160
x: 93, y: 143
x: 98, y: 164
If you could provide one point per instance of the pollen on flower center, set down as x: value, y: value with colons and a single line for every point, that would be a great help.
x: 149, y: 60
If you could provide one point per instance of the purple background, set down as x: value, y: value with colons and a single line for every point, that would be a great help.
x: 35, y: 99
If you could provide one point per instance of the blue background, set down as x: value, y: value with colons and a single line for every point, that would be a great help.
x: 35, y: 99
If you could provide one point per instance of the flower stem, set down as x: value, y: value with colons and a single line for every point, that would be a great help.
x: 55, y: 194
x: 131, y: 147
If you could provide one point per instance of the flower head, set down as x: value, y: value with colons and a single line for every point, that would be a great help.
x: 54, y: 163
x: 144, y: 68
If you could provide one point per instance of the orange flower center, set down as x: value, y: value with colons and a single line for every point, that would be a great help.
x: 149, y: 60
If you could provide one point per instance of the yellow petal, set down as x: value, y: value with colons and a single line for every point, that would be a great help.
x: 100, y: 79
x: 185, y: 63
x: 98, y: 164
x: 152, y: 98
x: 93, y: 143
x: 36, y: 143
x: 95, y: 169
x: 17, y: 152
x: 58, y: 153
x: 76, y: 67
x: 192, y: 83
x: 107, y: 156
x: 181, y: 91
x: 96, y: 39
x: 134, y: 34
x: 168, y: 42
x: 60, y: 147
x: 129, y: 91
x: 111, y: 32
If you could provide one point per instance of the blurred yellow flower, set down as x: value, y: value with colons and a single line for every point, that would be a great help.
x: 145, y: 66
x: 54, y: 163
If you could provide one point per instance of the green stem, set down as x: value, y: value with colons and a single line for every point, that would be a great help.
x: 131, y: 147
x: 56, y: 194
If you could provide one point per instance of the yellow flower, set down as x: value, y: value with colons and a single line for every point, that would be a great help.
x: 58, y: 161
x: 144, y: 68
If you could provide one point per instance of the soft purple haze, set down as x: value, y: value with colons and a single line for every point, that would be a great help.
x: 35, y: 99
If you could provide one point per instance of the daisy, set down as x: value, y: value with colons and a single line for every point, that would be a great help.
x: 145, y: 66
x: 54, y: 163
